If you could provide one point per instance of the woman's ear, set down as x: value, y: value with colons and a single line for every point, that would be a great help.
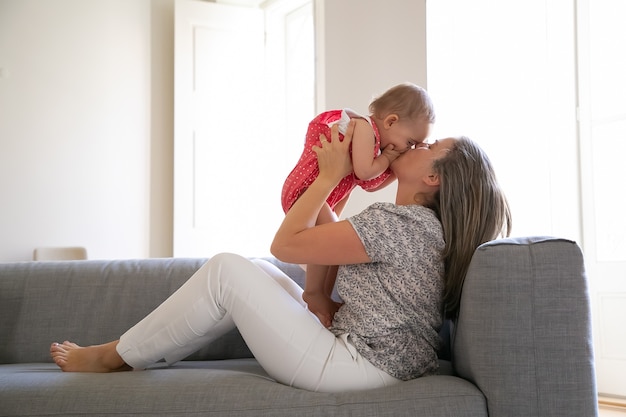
x: 390, y: 120
x: 432, y: 180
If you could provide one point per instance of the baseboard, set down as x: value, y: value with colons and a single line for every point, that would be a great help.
x: 612, y: 402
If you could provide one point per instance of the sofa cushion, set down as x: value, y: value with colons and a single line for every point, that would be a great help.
x: 236, y: 387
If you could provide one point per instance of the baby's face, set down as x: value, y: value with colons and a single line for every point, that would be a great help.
x: 404, y: 135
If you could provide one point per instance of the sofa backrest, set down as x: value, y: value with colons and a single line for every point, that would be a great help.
x: 94, y: 301
x: 524, y: 330
x: 91, y: 302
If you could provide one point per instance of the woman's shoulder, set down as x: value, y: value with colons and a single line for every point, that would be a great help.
x: 387, y: 228
x: 421, y: 217
x: 390, y: 216
x: 413, y: 210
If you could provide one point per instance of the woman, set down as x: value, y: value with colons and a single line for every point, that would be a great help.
x: 391, y: 282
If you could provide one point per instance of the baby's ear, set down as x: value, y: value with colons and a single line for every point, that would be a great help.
x: 390, y: 120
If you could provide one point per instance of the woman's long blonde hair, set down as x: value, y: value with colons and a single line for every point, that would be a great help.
x: 473, y: 210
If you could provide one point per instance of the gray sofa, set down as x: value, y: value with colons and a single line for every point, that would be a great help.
x: 521, y: 347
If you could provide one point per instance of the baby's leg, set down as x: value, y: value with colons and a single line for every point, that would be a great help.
x: 329, y: 281
x: 331, y: 272
x: 340, y: 206
x: 316, y: 293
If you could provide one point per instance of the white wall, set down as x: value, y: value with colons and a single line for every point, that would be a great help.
x: 86, y: 113
x: 76, y: 115
x: 364, y: 47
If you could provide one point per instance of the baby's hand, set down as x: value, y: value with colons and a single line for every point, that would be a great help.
x: 390, y: 153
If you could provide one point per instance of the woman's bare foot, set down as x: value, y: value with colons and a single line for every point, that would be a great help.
x: 98, y: 358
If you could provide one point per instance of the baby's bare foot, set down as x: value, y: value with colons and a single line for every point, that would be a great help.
x: 98, y: 358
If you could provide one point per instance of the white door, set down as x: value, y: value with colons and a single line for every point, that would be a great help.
x: 218, y: 148
x: 602, y: 69
x: 241, y: 74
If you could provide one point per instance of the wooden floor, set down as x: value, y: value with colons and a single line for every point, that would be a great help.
x: 611, y: 407
x: 611, y: 412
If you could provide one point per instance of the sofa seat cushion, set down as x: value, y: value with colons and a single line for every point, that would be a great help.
x: 235, y: 387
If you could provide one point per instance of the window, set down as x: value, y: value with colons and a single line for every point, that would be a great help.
x: 540, y: 85
x: 503, y: 74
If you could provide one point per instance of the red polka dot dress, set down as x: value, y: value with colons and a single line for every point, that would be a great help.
x: 306, y: 170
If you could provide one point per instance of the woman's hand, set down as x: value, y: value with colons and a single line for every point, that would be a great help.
x: 333, y: 158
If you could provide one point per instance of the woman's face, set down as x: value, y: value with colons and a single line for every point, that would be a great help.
x: 418, y: 162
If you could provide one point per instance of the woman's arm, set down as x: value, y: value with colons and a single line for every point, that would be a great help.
x: 298, y: 240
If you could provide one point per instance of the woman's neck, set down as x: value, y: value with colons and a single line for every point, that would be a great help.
x: 408, y: 196
x: 405, y: 197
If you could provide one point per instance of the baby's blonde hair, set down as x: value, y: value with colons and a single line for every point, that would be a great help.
x: 407, y: 100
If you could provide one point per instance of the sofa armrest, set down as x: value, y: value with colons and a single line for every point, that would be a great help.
x: 523, y: 335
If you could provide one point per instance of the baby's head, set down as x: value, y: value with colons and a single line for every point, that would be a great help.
x: 403, y: 114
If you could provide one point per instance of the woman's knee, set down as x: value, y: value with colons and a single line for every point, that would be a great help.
x: 227, y: 260
x: 232, y: 268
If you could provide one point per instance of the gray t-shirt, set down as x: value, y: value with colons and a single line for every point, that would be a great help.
x: 393, y: 306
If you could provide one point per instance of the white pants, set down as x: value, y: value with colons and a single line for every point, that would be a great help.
x: 266, y: 306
